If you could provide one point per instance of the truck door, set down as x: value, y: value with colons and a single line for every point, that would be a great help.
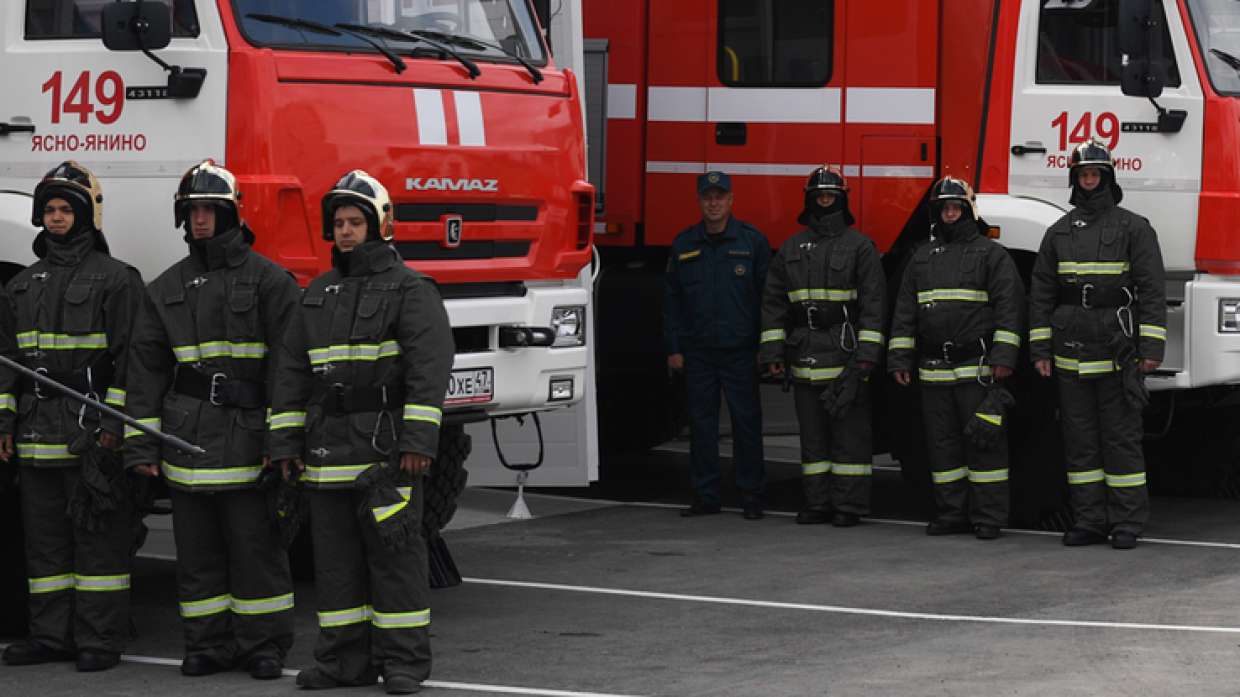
x: 1066, y: 89
x: 75, y: 100
x: 743, y: 86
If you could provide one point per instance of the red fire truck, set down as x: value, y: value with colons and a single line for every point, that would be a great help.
x: 455, y: 105
x: 898, y: 95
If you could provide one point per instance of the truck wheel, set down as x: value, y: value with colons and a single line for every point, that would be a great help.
x: 445, y: 480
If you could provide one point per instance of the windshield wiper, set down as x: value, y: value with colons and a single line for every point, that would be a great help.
x: 1230, y: 60
x: 298, y: 23
x: 465, y: 40
x: 470, y: 66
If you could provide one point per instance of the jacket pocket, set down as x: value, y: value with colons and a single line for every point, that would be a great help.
x: 81, y: 309
x: 242, y: 316
x: 247, y: 442
x: 840, y: 269
x: 690, y: 269
x: 1113, y: 241
x: 371, y: 316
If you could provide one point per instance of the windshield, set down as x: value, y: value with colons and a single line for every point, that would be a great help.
x: 1217, y: 25
x: 499, y: 29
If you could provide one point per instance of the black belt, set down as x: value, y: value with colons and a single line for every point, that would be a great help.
x: 220, y: 390
x: 1090, y: 296
x: 822, y: 315
x: 337, y: 399
x: 92, y: 380
x: 959, y: 352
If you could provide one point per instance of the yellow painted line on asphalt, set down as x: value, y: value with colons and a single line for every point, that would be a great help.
x: 853, y: 610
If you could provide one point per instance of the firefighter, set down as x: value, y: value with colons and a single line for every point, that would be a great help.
x: 1097, y: 317
x: 822, y: 317
x: 363, y: 372
x: 716, y: 270
x: 73, y: 309
x: 203, y: 366
x: 958, y: 322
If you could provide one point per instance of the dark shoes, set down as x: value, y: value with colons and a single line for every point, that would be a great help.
x: 987, y: 532
x: 813, y: 516
x: 949, y: 527
x: 753, y: 511
x: 198, y: 665
x: 265, y: 668
x: 845, y: 520
x: 699, y: 508
x: 401, y: 685
x: 91, y: 660
x: 315, y: 679
x: 1078, y: 537
x: 1123, y: 540
x: 33, y: 653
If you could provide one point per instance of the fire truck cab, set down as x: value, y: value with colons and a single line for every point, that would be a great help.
x: 454, y: 105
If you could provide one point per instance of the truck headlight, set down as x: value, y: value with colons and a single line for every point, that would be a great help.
x: 1229, y: 315
x: 569, y: 324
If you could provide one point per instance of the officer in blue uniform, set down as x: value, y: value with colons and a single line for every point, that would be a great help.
x: 716, y: 272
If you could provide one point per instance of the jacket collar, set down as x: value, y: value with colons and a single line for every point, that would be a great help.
x: 228, y: 250
x: 369, y: 258
x: 830, y: 225
x: 1095, y: 207
x: 730, y: 231
x: 70, y: 253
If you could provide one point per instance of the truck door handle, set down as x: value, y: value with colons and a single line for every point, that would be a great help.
x: 1028, y: 150
x: 731, y: 133
x: 7, y: 128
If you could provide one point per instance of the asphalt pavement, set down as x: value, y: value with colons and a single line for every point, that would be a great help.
x: 608, y: 591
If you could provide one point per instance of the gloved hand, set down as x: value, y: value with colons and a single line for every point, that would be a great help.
x: 100, y: 490
x: 986, y: 424
x: 1135, y: 392
x: 839, y: 396
x: 286, y: 503
x: 388, y: 508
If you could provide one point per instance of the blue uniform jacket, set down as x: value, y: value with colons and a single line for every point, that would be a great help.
x: 714, y: 292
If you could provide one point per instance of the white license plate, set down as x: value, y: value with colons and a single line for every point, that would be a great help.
x: 470, y: 387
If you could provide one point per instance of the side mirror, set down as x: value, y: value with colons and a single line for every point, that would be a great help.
x: 1133, y: 28
x: 1143, y: 78
x: 136, y: 26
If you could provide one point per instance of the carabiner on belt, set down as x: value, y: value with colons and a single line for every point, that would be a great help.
x: 985, y: 373
x: 848, y: 334
x: 374, y: 435
x: 1124, y: 315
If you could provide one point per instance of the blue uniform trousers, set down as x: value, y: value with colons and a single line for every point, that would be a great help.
x: 734, y: 371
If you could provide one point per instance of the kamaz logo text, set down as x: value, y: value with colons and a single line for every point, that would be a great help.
x: 436, y: 184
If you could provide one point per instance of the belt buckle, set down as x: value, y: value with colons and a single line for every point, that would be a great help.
x: 217, y: 381
x: 810, y: 311
x: 38, y: 386
x: 1085, y: 290
x: 947, y: 349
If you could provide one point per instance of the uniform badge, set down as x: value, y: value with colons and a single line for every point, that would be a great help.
x: 740, y: 269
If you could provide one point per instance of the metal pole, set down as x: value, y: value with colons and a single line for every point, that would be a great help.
x: 181, y: 445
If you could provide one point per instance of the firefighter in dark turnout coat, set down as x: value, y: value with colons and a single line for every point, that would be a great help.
x: 823, y: 305
x: 363, y: 373
x: 203, y: 360
x: 73, y: 310
x: 958, y: 323
x: 1097, y: 314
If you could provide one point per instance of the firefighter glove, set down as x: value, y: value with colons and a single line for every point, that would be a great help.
x: 100, y: 490
x: 387, y: 507
x: 840, y: 395
x: 286, y: 502
x: 986, y: 424
x: 1135, y: 391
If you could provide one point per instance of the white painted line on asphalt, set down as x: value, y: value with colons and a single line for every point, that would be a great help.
x: 475, y: 687
x: 853, y: 610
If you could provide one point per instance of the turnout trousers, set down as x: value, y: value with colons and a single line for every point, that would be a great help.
x: 836, y: 453
x: 733, y: 371
x: 373, y: 604
x: 79, y: 581
x: 1102, y: 443
x: 969, y: 484
x: 233, y: 577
